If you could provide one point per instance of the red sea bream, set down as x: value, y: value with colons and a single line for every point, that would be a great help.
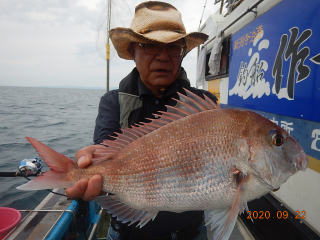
x: 195, y: 157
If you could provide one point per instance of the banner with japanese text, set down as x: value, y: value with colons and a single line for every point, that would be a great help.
x: 275, y: 62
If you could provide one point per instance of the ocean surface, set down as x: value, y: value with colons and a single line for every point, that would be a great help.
x: 63, y: 119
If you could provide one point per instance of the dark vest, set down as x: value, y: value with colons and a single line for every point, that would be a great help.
x: 131, y: 105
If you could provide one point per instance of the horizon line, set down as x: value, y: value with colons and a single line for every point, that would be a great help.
x: 72, y: 87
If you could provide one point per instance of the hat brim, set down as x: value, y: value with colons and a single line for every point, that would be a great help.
x: 122, y: 37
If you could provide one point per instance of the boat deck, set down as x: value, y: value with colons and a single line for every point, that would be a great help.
x: 38, y: 223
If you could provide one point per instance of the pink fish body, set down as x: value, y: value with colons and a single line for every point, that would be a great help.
x: 195, y: 157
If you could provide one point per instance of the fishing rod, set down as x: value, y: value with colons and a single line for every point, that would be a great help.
x: 28, y: 167
x: 31, y: 167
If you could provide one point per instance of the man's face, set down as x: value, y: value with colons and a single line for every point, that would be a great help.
x: 156, y: 71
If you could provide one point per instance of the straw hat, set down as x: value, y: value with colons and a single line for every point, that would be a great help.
x: 154, y: 21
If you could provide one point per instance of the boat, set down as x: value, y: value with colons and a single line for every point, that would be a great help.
x: 264, y: 56
x: 56, y: 217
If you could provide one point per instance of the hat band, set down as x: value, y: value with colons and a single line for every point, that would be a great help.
x: 147, y: 30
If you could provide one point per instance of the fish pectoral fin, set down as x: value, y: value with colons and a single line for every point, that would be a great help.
x: 123, y: 212
x: 225, y: 219
x: 220, y: 219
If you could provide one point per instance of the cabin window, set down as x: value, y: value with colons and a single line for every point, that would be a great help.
x: 224, y: 61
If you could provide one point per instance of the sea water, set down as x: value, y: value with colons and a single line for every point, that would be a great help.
x: 61, y: 118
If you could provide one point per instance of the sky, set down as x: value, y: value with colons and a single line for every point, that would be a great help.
x: 53, y: 42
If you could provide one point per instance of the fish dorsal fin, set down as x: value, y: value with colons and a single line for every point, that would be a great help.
x: 196, y: 102
x: 186, y: 105
x: 123, y: 212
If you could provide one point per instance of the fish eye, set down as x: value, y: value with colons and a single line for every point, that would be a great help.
x: 277, y: 140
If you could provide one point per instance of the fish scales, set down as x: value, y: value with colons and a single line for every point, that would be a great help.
x: 187, y: 159
x: 208, y: 159
x: 178, y: 167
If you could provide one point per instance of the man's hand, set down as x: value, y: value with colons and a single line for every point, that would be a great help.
x: 84, y: 188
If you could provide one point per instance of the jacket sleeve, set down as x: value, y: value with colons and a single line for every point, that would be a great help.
x: 107, y: 121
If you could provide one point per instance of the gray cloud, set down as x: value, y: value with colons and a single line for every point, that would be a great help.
x: 52, y: 42
x: 53, y: 12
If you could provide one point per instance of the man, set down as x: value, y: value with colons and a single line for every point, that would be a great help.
x: 157, y: 42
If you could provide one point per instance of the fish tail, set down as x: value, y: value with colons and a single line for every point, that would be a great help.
x: 59, y: 165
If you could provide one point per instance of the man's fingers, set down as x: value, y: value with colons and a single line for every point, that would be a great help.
x: 78, y: 190
x: 86, y: 189
x: 84, y: 161
x: 93, y: 189
x: 84, y: 155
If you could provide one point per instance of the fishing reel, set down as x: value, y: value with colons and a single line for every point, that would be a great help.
x: 27, y: 167
x: 30, y: 167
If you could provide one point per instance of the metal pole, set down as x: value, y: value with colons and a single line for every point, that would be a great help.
x: 255, y: 5
x: 95, y: 225
x: 204, y: 7
x: 108, y: 45
x: 221, y: 7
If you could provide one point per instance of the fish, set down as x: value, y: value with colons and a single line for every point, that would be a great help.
x: 194, y: 156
